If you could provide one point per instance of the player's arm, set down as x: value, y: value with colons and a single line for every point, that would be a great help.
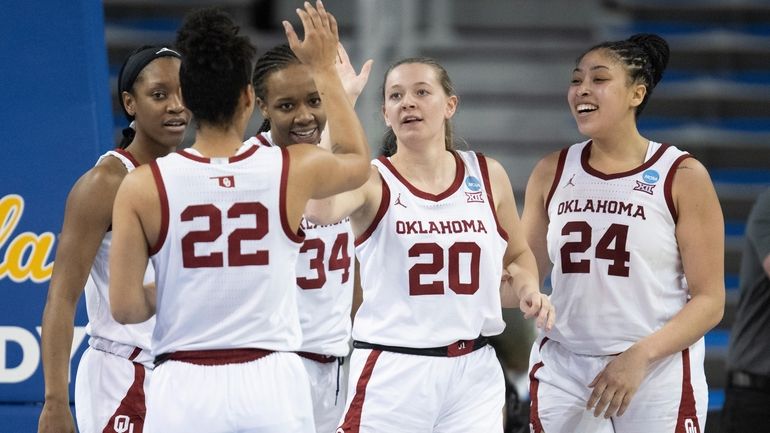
x: 130, y: 301
x: 86, y: 218
x: 700, y: 235
x: 534, y: 216
x: 347, y: 166
x: 519, y: 287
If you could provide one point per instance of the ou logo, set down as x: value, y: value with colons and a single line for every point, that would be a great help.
x: 123, y: 424
x: 689, y: 426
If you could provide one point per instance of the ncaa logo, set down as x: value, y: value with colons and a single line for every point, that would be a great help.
x: 472, y: 183
x: 650, y: 176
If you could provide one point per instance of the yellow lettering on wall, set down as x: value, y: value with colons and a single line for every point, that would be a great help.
x: 26, y: 257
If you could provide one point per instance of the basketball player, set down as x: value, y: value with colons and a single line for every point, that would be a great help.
x: 293, y: 111
x: 433, y: 227
x: 220, y: 221
x: 634, y: 233
x: 115, y: 370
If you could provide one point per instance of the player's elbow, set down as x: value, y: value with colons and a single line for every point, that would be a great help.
x: 127, y: 313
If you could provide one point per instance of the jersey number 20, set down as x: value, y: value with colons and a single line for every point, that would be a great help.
x: 436, y: 287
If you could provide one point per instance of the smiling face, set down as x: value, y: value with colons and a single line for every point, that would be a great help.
x: 601, y: 96
x: 416, y: 105
x: 155, y: 101
x: 293, y: 106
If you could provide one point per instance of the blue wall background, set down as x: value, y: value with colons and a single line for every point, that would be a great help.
x: 55, y: 120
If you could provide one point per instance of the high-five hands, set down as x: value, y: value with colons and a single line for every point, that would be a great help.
x: 319, y: 47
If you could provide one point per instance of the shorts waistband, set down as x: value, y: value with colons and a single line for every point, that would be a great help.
x: 213, y: 357
x: 317, y: 357
x: 129, y: 352
x: 458, y: 348
x: 744, y: 379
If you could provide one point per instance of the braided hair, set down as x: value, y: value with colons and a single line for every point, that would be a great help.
x: 275, y: 59
x: 645, y: 57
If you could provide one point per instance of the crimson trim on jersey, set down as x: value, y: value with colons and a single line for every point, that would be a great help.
x: 384, y: 203
x: 263, y: 140
x: 134, y: 353
x: 557, y: 176
x: 293, y: 236
x: 596, y: 173
x: 488, y: 186
x: 131, y: 406
x: 534, y: 416
x: 459, y: 174
x: 352, y: 422
x: 245, y: 154
x: 668, y: 186
x: 687, y: 408
x: 163, y: 209
x: 241, y: 156
x: 197, y: 158
x: 128, y: 156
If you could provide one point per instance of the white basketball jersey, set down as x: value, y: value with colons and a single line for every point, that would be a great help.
x: 431, y: 264
x: 325, y: 282
x: 225, y: 257
x: 102, y: 328
x: 617, y: 275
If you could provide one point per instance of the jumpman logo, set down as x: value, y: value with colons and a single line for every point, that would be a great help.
x: 398, y: 201
x: 569, y: 182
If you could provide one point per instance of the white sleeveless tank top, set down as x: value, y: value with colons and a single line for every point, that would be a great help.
x: 431, y: 264
x: 617, y: 275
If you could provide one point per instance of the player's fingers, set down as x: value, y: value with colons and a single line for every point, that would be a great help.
x: 323, y: 15
x: 307, y: 23
x: 614, y: 405
x: 313, y: 16
x: 291, y: 35
x: 551, y: 318
x: 545, y: 308
x: 605, y: 399
x: 366, y: 70
x: 333, y: 26
x: 624, y: 404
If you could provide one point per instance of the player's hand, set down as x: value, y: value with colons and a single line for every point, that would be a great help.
x: 56, y: 418
x: 616, y: 384
x: 319, y: 48
x: 537, y: 305
x: 353, y: 83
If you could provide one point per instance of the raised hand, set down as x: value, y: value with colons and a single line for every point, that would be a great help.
x: 353, y: 83
x: 319, y: 48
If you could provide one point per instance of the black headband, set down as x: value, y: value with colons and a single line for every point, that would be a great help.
x: 134, y: 65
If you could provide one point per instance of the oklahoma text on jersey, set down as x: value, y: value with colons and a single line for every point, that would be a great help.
x: 602, y: 206
x: 439, y: 227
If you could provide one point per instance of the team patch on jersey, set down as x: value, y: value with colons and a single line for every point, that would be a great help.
x: 650, y: 176
x: 225, y: 181
x: 644, y: 187
x: 474, y: 197
x: 472, y: 183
